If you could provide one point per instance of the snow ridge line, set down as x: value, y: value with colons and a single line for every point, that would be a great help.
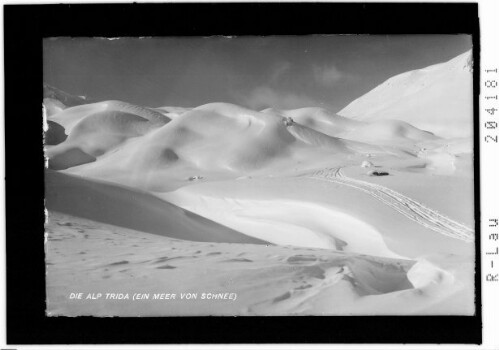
x: 406, y: 206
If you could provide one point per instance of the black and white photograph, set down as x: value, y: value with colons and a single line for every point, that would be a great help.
x: 250, y: 174
x: 327, y: 175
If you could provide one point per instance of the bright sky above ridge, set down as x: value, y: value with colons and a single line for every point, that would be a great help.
x: 257, y: 72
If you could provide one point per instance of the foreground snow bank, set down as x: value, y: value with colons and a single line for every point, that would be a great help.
x: 286, y: 222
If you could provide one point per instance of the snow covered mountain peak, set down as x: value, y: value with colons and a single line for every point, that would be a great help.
x: 438, y: 98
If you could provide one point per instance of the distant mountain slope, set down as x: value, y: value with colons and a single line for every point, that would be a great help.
x: 56, y: 100
x: 63, y: 97
x: 438, y: 99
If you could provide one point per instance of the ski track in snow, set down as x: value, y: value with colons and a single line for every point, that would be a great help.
x: 404, y: 205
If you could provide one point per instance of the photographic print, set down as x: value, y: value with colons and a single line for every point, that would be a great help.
x: 326, y: 175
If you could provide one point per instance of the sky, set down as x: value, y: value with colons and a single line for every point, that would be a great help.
x: 283, y: 72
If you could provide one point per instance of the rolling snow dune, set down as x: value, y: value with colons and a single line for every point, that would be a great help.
x: 368, y: 141
x: 438, y: 98
x: 69, y: 117
x: 363, y: 137
x: 218, y: 138
x: 132, y: 209
x: 171, y: 112
x: 393, y: 132
x: 314, y: 138
x: 293, y: 223
x: 237, y: 203
x: 316, y: 118
x: 97, y: 133
x: 103, y: 131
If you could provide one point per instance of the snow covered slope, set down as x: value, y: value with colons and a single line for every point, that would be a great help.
x: 438, y: 99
